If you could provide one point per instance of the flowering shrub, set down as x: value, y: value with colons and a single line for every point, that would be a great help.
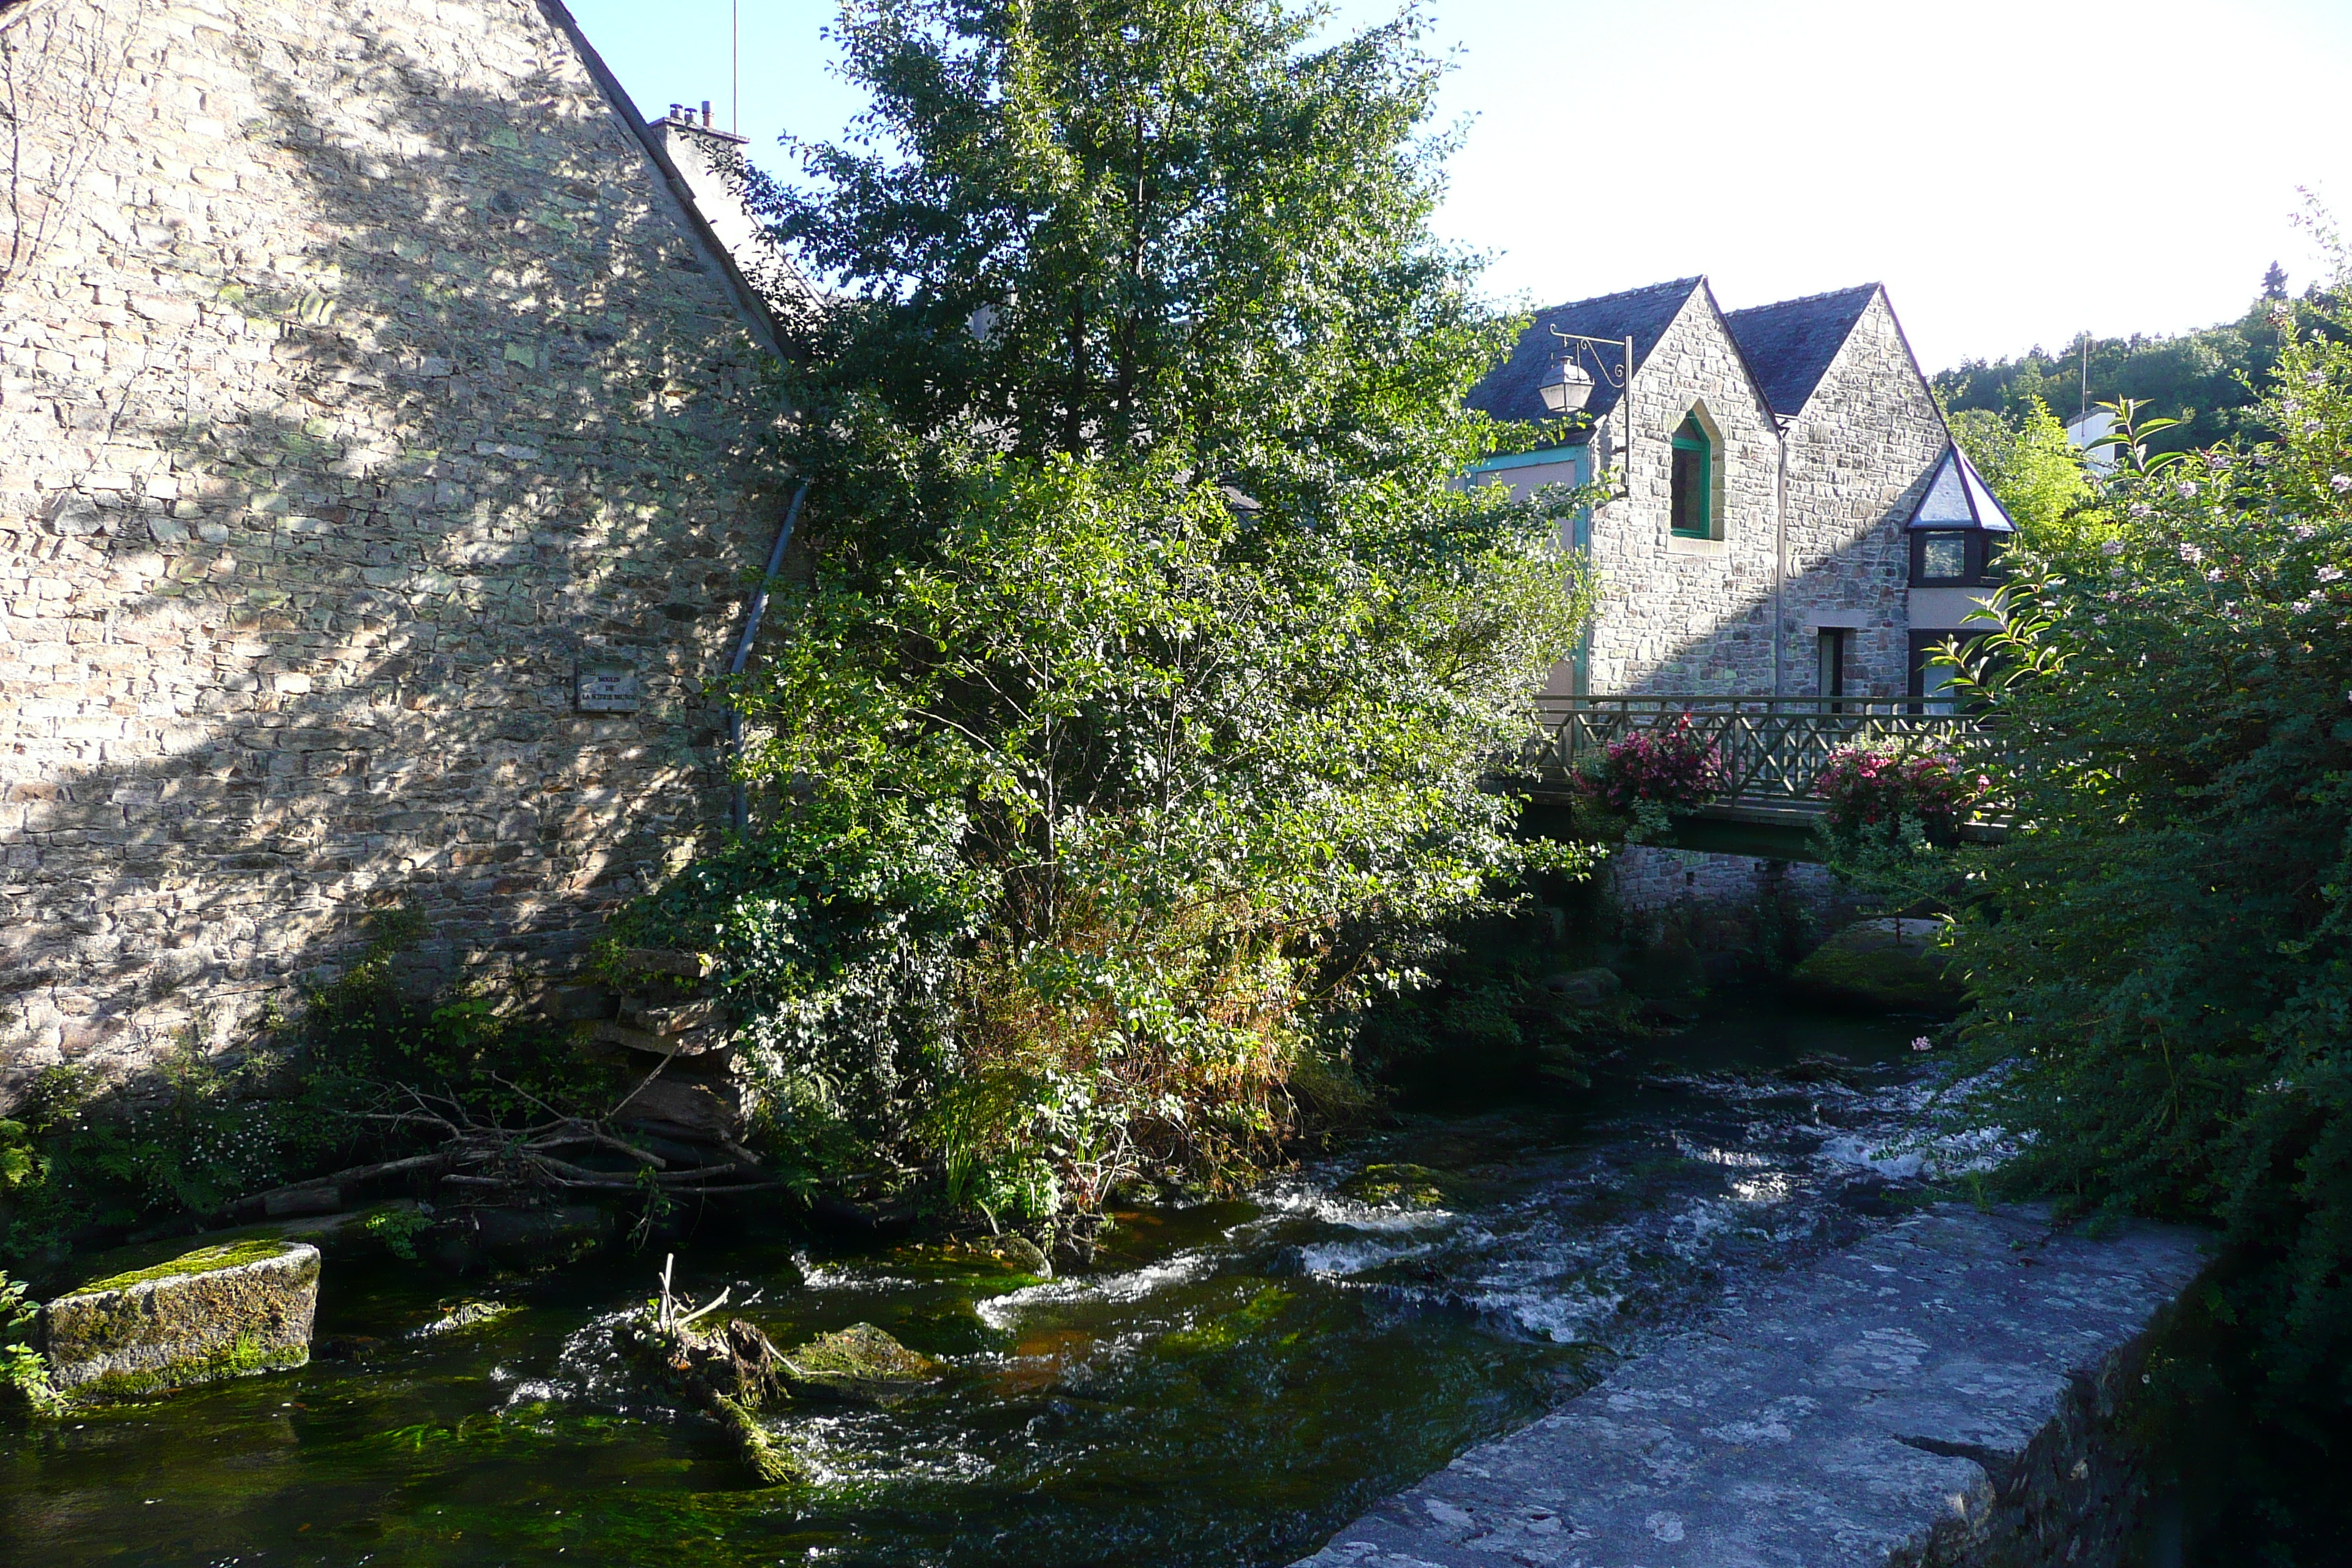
x: 1867, y: 789
x: 1671, y: 768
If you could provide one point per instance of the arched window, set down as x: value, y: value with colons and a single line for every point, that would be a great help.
x: 1694, y: 480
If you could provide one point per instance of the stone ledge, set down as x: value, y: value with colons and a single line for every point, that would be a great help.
x: 1871, y: 1411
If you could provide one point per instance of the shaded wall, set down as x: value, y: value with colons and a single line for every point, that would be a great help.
x: 360, y: 391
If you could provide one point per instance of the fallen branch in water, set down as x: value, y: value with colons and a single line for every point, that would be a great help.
x: 484, y: 1155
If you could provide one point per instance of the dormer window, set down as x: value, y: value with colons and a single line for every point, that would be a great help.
x: 1957, y: 529
x: 1692, y: 480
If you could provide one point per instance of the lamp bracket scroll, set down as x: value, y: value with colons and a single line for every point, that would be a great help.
x: 1569, y: 387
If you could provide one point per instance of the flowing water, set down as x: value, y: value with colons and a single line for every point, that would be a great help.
x: 1230, y: 1382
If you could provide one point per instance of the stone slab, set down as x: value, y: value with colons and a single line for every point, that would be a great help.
x: 1852, y: 1413
x: 221, y: 1311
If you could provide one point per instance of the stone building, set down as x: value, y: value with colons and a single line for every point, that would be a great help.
x: 1791, y: 518
x: 382, y: 479
x: 1777, y: 472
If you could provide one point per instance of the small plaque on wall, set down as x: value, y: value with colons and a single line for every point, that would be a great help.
x: 606, y: 689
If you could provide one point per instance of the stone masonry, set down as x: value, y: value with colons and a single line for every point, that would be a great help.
x: 1859, y: 454
x: 380, y: 485
x: 1689, y: 614
x: 1813, y: 498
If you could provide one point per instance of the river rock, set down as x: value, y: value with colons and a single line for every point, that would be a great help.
x: 860, y: 1365
x: 1585, y: 987
x: 216, y: 1312
x: 1890, y: 964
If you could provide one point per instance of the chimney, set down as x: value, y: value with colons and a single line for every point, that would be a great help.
x: 706, y: 114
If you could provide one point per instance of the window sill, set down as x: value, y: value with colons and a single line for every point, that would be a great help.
x: 1691, y: 544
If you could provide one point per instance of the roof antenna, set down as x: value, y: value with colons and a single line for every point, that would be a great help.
x: 735, y: 64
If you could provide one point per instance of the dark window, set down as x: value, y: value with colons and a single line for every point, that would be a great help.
x: 1830, y: 679
x: 1943, y: 557
x: 1694, y: 480
x: 1954, y: 557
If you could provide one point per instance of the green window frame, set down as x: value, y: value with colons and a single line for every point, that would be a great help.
x: 1691, y: 484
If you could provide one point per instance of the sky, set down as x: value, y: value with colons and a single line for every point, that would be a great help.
x: 2015, y: 173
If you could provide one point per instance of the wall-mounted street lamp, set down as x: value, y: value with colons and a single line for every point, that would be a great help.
x: 1569, y: 385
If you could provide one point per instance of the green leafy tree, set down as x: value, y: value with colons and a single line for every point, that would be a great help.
x: 1130, y: 718
x: 2038, y: 474
x: 2160, y: 962
x: 2209, y: 383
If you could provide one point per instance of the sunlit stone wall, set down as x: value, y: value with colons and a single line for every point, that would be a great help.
x: 363, y: 395
x: 1860, y: 454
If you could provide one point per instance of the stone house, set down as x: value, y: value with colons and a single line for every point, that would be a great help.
x: 1790, y: 516
x: 382, y: 479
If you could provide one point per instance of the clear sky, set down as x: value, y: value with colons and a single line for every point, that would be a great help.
x: 2014, y: 171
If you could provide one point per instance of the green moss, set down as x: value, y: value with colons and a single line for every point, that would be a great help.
x: 1407, y: 1186
x: 769, y: 1461
x: 467, y: 1315
x: 859, y: 1363
x: 204, y: 1260
x: 245, y: 1356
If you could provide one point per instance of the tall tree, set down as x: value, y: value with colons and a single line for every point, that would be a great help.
x: 1095, y: 226
x: 1130, y: 729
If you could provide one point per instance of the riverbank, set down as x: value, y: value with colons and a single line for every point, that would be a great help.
x: 1229, y: 1383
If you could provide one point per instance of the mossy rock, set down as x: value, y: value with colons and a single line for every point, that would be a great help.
x: 859, y: 1364
x: 219, y: 1311
x: 1402, y: 1186
x: 1888, y: 965
x: 464, y: 1316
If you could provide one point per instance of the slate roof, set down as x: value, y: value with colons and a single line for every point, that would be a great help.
x: 1642, y: 314
x: 1790, y: 344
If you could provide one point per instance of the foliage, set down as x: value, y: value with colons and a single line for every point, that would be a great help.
x: 2161, y: 963
x: 1070, y: 227
x: 25, y: 1387
x: 197, y: 1131
x: 2208, y: 381
x: 1083, y: 875
x: 1671, y: 767
x: 397, y: 1228
x: 2038, y: 475
x: 1868, y: 791
x: 1130, y: 719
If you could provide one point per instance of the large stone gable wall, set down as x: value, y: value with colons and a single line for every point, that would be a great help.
x: 1681, y: 614
x: 358, y: 384
x: 1860, y: 454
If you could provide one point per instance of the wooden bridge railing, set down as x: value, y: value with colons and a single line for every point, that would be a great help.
x: 1773, y: 748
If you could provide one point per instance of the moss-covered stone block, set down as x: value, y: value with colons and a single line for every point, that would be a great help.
x: 219, y: 1311
x: 1889, y: 964
x: 859, y: 1364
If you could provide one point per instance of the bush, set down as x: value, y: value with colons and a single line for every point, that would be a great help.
x: 2163, y: 962
x: 1887, y: 792
x: 1671, y: 767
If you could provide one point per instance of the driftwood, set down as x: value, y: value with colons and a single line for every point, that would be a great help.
x: 484, y: 1156
x: 730, y: 1372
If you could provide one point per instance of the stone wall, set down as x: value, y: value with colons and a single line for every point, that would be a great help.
x: 363, y: 393
x: 1689, y: 614
x: 1859, y: 454
x: 1649, y: 883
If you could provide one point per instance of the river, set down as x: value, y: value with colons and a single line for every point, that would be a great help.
x: 1228, y: 1384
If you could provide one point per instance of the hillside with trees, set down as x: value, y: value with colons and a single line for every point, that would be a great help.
x: 2208, y: 380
